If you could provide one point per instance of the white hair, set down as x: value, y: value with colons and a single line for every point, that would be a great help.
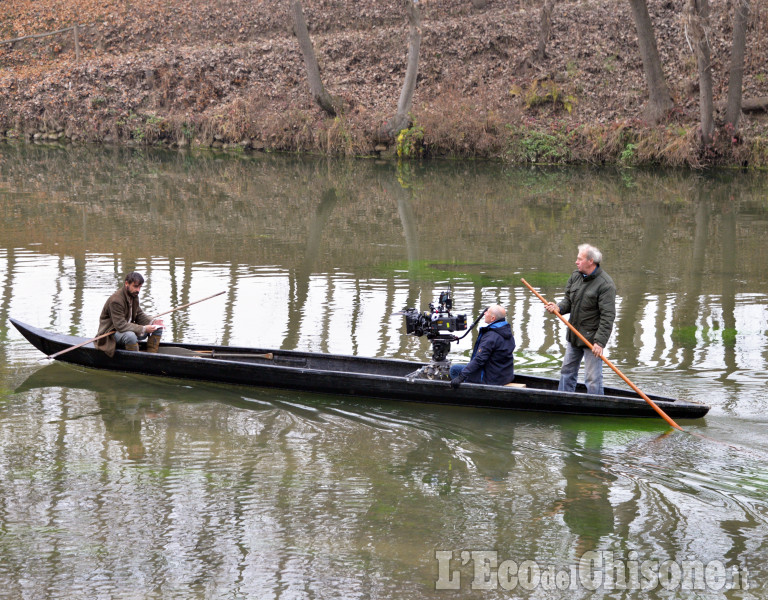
x: 591, y: 253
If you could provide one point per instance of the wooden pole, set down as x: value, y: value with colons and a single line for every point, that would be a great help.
x: 80, y: 345
x: 103, y: 335
x: 185, y: 305
x: 76, y: 34
x: 35, y: 36
x: 654, y: 406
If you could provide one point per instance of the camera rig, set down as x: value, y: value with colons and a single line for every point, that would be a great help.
x: 439, y: 324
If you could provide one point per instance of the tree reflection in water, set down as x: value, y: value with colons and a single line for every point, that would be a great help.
x: 161, y: 487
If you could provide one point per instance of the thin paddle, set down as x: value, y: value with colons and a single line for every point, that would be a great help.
x: 217, y: 354
x: 103, y: 335
x: 654, y: 406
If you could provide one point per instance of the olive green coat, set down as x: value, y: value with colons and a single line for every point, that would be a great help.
x: 591, y: 302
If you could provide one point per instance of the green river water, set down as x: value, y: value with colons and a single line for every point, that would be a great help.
x: 125, y: 486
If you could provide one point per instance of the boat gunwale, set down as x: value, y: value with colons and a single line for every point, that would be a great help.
x: 511, y: 392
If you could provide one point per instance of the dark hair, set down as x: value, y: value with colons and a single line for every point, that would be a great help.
x: 134, y: 278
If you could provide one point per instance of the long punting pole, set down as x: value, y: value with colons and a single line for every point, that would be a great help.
x: 654, y: 406
x: 103, y: 335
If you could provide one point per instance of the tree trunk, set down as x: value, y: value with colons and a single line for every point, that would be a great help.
x: 740, y: 17
x: 402, y: 119
x: 316, y: 87
x: 659, y: 98
x: 755, y: 104
x: 697, y: 27
x: 545, y: 26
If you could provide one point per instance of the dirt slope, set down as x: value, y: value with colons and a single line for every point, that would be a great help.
x: 230, y: 72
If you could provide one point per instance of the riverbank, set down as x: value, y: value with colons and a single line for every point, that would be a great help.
x: 231, y: 76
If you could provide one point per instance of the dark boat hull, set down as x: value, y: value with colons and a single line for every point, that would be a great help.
x: 350, y: 375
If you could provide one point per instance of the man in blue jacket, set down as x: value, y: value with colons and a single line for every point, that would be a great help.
x: 492, y: 361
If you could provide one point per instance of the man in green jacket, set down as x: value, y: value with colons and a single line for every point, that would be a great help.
x: 590, y: 298
x: 123, y: 315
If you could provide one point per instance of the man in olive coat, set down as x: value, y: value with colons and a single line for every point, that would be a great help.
x: 590, y: 298
x: 123, y: 315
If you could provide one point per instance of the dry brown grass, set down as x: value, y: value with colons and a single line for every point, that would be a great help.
x: 674, y: 146
x: 458, y: 126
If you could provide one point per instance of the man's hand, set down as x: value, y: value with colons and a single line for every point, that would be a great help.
x: 551, y: 307
x: 457, y: 381
x: 597, y: 350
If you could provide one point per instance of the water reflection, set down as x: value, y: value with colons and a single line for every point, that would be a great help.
x: 119, y: 485
x: 123, y: 402
x: 586, y: 507
x: 220, y: 486
x: 300, y: 281
x: 319, y: 254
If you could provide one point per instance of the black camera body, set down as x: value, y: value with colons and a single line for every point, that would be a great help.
x: 438, y: 324
x: 435, y: 325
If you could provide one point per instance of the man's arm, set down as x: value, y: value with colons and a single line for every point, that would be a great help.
x: 142, y: 318
x: 564, y: 306
x: 487, y: 345
x: 120, y: 321
x: 606, y: 302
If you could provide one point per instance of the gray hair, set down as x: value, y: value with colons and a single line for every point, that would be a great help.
x: 591, y: 253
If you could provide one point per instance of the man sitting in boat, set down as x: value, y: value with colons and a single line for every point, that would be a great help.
x: 123, y: 315
x: 492, y: 361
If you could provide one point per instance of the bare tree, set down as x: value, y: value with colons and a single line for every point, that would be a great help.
x: 545, y: 26
x: 316, y: 87
x: 698, y: 31
x: 529, y: 61
x: 659, y: 98
x: 402, y: 119
x: 740, y: 17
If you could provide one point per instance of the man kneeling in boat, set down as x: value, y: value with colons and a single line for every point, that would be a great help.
x: 123, y: 315
x: 492, y: 360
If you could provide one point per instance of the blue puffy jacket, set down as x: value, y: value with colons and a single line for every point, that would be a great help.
x: 492, y: 360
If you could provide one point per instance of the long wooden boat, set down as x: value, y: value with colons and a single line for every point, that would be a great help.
x: 351, y: 375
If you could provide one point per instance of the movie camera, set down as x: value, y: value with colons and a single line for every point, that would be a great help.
x: 438, y: 324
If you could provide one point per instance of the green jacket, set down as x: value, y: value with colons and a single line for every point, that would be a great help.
x: 121, y: 313
x: 591, y: 302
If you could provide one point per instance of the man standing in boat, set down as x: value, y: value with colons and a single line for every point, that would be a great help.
x: 123, y: 315
x: 590, y: 298
x: 492, y: 360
